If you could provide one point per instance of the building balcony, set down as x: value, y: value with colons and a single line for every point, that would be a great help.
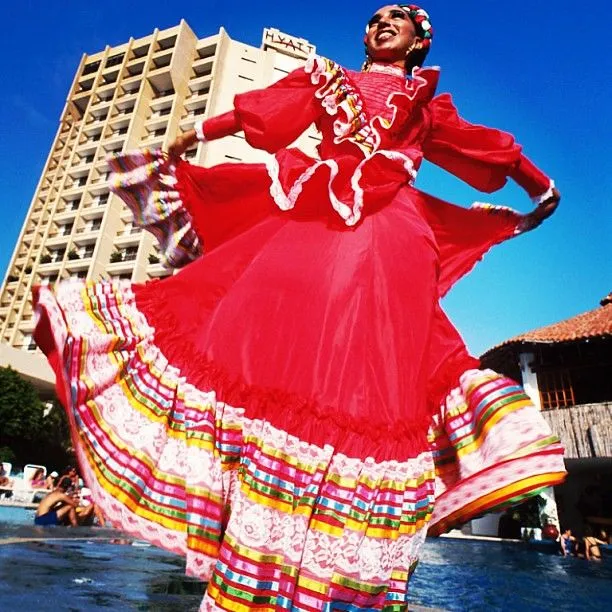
x: 200, y: 83
x: 27, y: 324
x: 187, y: 123
x: 156, y: 122
x: 130, y: 238
x: 66, y: 215
x: 120, y: 267
x: 163, y: 100
x: 57, y: 239
x: 161, y: 59
x: 157, y: 270
x: 114, y: 141
x: 82, y: 166
x: 120, y: 121
x: 110, y: 78
x: 93, y: 209
x: 94, y: 122
x: 207, y: 47
x: 48, y: 269
x: 135, y: 68
x: 152, y: 141
x: 82, y: 263
x: 99, y: 186
x: 86, y: 236
x: 88, y: 147
x: 168, y: 42
x: 127, y: 98
x: 196, y: 100
x: 203, y: 67
x: 71, y: 191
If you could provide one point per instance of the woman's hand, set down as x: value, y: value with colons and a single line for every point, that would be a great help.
x: 543, y: 211
x: 182, y: 143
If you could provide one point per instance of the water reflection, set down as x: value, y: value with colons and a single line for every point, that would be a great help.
x: 104, y: 571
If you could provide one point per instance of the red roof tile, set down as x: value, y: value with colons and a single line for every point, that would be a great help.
x: 592, y: 324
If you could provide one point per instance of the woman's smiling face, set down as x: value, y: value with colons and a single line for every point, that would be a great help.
x: 390, y: 35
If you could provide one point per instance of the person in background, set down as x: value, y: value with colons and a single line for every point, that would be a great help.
x: 71, y: 473
x: 38, y: 480
x: 592, y: 552
x: 57, y: 507
x: 568, y: 543
x: 91, y: 509
x: 5, y: 483
x: 51, y: 480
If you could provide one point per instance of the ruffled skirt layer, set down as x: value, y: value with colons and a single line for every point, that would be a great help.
x: 221, y: 414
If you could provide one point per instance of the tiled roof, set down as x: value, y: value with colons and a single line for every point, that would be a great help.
x: 592, y: 324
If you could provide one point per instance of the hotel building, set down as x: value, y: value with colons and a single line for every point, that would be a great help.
x: 139, y: 94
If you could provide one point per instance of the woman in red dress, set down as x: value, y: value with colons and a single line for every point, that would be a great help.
x: 293, y: 411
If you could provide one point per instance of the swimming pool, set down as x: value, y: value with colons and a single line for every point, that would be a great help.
x: 95, y: 572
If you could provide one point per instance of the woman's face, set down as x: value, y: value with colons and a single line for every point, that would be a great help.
x: 391, y: 33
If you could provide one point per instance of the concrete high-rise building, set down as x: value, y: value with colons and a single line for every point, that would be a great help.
x: 139, y: 94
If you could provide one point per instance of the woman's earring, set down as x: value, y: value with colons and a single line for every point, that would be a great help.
x: 412, y: 47
x: 365, y: 67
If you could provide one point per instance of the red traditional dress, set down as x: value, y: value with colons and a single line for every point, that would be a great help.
x: 293, y: 411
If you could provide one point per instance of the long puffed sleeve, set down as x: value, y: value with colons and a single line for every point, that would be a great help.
x: 482, y: 157
x: 271, y: 118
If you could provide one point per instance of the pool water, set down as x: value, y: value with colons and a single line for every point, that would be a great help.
x: 95, y: 569
x: 466, y: 575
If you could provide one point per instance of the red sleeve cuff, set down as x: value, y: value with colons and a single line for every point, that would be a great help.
x: 530, y: 177
x: 220, y: 126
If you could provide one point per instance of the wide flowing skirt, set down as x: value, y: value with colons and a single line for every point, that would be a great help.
x: 292, y: 411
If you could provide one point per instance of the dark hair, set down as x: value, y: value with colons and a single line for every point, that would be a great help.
x: 416, y: 58
x: 65, y: 484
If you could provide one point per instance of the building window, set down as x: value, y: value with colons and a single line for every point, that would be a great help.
x: 166, y: 43
x: 46, y: 280
x: 130, y: 253
x: 91, y: 68
x: 140, y: 51
x: 114, y: 60
x: 28, y: 343
x: 556, y: 390
x: 56, y: 255
x: 162, y: 93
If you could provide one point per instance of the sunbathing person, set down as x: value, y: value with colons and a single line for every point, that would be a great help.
x: 38, y: 480
x: 5, y: 483
x: 4, y: 479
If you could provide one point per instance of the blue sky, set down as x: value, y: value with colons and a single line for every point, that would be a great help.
x: 540, y: 70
